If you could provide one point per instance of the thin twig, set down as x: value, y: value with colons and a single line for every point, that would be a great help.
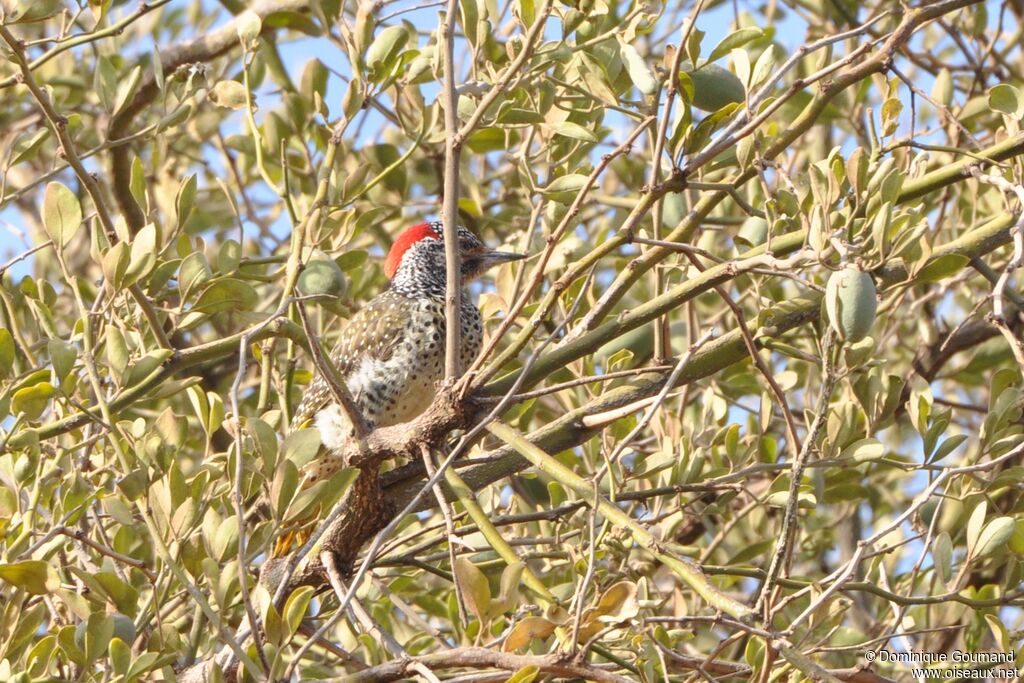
x: 450, y: 205
x: 656, y: 403
x: 1016, y: 262
x: 335, y: 383
x: 782, y: 548
x: 59, y: 125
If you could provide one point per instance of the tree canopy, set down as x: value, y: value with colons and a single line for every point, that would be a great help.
x: 751, y: 409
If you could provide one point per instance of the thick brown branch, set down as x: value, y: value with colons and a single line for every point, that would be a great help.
x: 482, y: 658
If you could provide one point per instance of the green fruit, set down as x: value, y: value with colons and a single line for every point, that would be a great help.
x: 850, y: 303
x: 713, y: 86
x: 24, y: 468
x: 321, y: 275
x: 124, y: 628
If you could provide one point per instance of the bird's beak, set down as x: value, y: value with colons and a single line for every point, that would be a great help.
x: 477, y: 264
x: 489, y: 259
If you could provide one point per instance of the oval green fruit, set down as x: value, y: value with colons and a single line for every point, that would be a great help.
x: 124, y: 628
x: 714, y: 86
x: 321, y: 275
x: 850, y: 303
x: 24, y: 468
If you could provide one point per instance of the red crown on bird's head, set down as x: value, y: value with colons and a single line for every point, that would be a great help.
x: 408, y: 238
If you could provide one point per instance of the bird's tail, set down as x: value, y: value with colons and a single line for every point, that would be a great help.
x: 323, y: 482
x: 292, y: 539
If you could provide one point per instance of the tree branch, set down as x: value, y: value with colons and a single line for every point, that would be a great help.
x: 450, y: 204
x: 556, y: 665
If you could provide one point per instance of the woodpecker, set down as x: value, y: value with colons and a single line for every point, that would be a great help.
x: 391, y: 353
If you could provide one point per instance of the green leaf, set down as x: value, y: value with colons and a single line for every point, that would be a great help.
x: 225, y: 540
x: 947, y: 447
x: 32, y: 401
x: 295, y: 608
x: 1000, y: 634
x: 508, y: 595
x: 115, y: 264
x: 475, y: 589
x: 120, y: 657
x: 185, y: 200
x: 864, y: 450
x: 763, y: 67
x: 641, y: 75
x: 126, y: 89
x: 942, y: 89
x: 573, y: 130
x: 226, y: 294
x: 35, y: 576
x: 734, y: 40
x: 137, y: 182
x: 116, y: 350
x: 93, y: 635
x: 273, y: 625
x: 27, y: 147
x: 470, y: 21
x: 144, y: 250
x: 383, y: 52
x: 353, y: 259
x: 942, y: 267
x: 994, y: 537
x: 322, y: 495
x: 525, y: 630
x: 322, y: 275
x: 618, y: 603
x: 105, y: 81
x: 514, y: 116
x: 6, y: 352
x: 314, y: 79
x: 300, y: 446
x: 62, y: 356
x: 564, y: 188
x: 527, y: 12
x: 1016, y: 542
x: 1006, y: 99
x: 285, y: 483
x: 99, y: 9
x: 194, y: 271
x: 974, y: 526
x: 942, y: 556
x: 146, y: 366
x: 527, y: 674
x: 891, y: 110
x: 123, y: 595
x: 62, y: 213
x: 228, y: 256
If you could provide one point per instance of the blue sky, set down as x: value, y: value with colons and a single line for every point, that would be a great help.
x: 295, y: 52
x: 716, y: 23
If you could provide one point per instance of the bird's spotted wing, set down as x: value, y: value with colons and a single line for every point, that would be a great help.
x: 373, y: 333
